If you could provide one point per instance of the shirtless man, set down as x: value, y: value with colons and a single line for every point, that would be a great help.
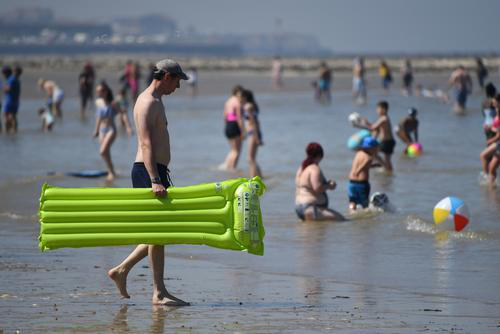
x: 461, y: 82
x: 382, y: 130
x: 150, y: 170
x: 407, y: 127
x: 359, y: 185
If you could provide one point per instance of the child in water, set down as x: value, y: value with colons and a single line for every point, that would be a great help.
x: 407, y: 130
x: 382, y: 130
x: 359, y: 185
x: 47, y: 119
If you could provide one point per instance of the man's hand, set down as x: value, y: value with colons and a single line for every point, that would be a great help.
x: 159, y: 190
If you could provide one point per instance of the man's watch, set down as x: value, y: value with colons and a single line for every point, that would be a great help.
x: 156, y: 180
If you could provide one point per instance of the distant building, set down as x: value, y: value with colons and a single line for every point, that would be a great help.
x: 145, y: 25
x: 35, y: 30
x: 39, y: 24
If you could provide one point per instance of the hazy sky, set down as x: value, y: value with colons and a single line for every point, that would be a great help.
x: 340, y: 25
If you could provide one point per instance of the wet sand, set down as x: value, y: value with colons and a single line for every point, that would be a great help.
x: 392, y: 273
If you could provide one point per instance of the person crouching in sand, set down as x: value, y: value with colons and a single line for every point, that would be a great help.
x: 55, y: 96
x: 311, y: 200
x: 359, y: 185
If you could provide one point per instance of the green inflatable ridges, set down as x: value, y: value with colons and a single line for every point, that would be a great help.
x: 224, y: 215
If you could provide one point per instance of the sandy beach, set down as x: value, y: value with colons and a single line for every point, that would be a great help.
x: 393, y: 273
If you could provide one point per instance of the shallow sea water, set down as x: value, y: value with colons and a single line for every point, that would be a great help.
x: 393, y: 273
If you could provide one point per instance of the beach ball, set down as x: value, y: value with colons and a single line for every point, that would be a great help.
x: 354, y: 118
x: 414, y: 150
x: 451, y: 210
x: 356, y: 139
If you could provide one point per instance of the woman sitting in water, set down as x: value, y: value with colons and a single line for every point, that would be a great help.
x: 105, y: 127
x: 251, y: 113
x: 311, y: 200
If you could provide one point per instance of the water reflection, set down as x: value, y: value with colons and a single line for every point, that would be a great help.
x: 312, y: 259
x: 159, y: 313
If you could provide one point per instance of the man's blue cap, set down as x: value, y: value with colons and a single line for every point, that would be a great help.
x: 369, y: 142
x: 412, y: 112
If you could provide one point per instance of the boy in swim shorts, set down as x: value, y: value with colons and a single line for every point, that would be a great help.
x: 382, y: 130
x: 359, y: 185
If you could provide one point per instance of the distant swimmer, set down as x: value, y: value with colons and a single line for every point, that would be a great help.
x: 489, y: 110
x: 86, y: 81
x: 122, y: 106
x: 461, y: 82
x: 47, y: 119
x: 490, y: 156
x: 254, y: 134
x: 407, y: 78
x: 311, y: 199
x: 359, y: 178
x: 130, y: 79
x: 382, y: 130
x: 234, y: 128
x: 385, y: 74
x: 407, y: 130
x: 324, y: 83
x: 55, y: 96
x: 105, y: 127
x: 192, y: 81
x: 481, y: 71
x: 11, y: 97
x: 433, y: 93
x: 277, y: 73
x: 359, y: 82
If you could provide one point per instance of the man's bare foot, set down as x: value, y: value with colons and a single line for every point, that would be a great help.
x: 120, y: 279
x: 166, y: 299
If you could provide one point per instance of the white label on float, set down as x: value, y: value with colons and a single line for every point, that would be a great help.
x: 239, y: 203
x: 246, y: 211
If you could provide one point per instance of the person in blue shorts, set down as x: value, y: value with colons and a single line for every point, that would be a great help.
x: 12, y: 93
x: 359, y: 185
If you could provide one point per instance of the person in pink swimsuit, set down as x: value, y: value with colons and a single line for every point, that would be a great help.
x: 234, y: 128
x: 490, y: 156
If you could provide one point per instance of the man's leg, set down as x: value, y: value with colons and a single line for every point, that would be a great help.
x: 160, y: 293
x: 119, y: 273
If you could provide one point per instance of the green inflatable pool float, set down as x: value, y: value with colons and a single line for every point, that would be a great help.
x: 224, y: 215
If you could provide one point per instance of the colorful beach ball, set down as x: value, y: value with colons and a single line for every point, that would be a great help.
x: 414, y: 150
x: 451, y: 210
